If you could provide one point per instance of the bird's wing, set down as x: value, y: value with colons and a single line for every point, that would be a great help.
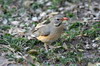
x: 43, y: 30
x: 44, y: 23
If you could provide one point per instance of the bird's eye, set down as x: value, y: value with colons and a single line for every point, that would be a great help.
x: 58, y: 19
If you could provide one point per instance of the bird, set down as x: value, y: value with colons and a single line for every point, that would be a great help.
x: 50, y: 31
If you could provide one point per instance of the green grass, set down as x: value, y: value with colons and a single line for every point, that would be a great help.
x: 71, y: 55
x: 5, y: 27
x: 55, y: 4
x: 36, y: 5
x: 6, y: 2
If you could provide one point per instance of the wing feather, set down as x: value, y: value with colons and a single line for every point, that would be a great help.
x: 42, y: 31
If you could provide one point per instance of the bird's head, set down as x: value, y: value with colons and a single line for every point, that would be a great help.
x: 58, y: 19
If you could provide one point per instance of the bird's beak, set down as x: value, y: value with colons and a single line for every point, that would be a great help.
x: 64, y: 18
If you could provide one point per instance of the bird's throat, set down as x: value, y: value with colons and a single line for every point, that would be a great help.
x: 57, y: 25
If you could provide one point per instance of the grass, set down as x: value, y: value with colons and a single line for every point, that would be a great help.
x: 55, y: 4
x: 71, y: 45
x: 36, y: 5
x: 6, y: 2
x: 69, y: 55
x: 70, y: 51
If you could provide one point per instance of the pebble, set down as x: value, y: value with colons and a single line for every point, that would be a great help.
x: 48, y: 3
x: 93, y: 40
x: 22, y: 25
x: 81, y: 7
x: 34, y: 18
x: 86, y: 5
x: 26, y: 48
x: 27, y: 3
x: 49, y: 10
x: 43, y: 14
x: 40, y: 1
x: 15, y: 23
x: 85, y: 19
x: 95, y: 45
x: 61, y: 8
x: 39, y: 10
x: 87, y: 46
x: 10, y: 19
x: 26, y: 19
x: 5, y: 21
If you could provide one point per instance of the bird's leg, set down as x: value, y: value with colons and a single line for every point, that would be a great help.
x: 46, y: 47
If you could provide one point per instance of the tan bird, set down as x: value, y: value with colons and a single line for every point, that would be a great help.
x: 48, y: 33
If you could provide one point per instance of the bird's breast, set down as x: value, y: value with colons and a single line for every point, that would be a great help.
x: 54, y: 35
x: 50, y: 38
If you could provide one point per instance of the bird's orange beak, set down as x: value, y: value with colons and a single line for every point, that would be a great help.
x: 64, y: 18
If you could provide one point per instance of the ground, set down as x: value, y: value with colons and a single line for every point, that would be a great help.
x: 78, y: 46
